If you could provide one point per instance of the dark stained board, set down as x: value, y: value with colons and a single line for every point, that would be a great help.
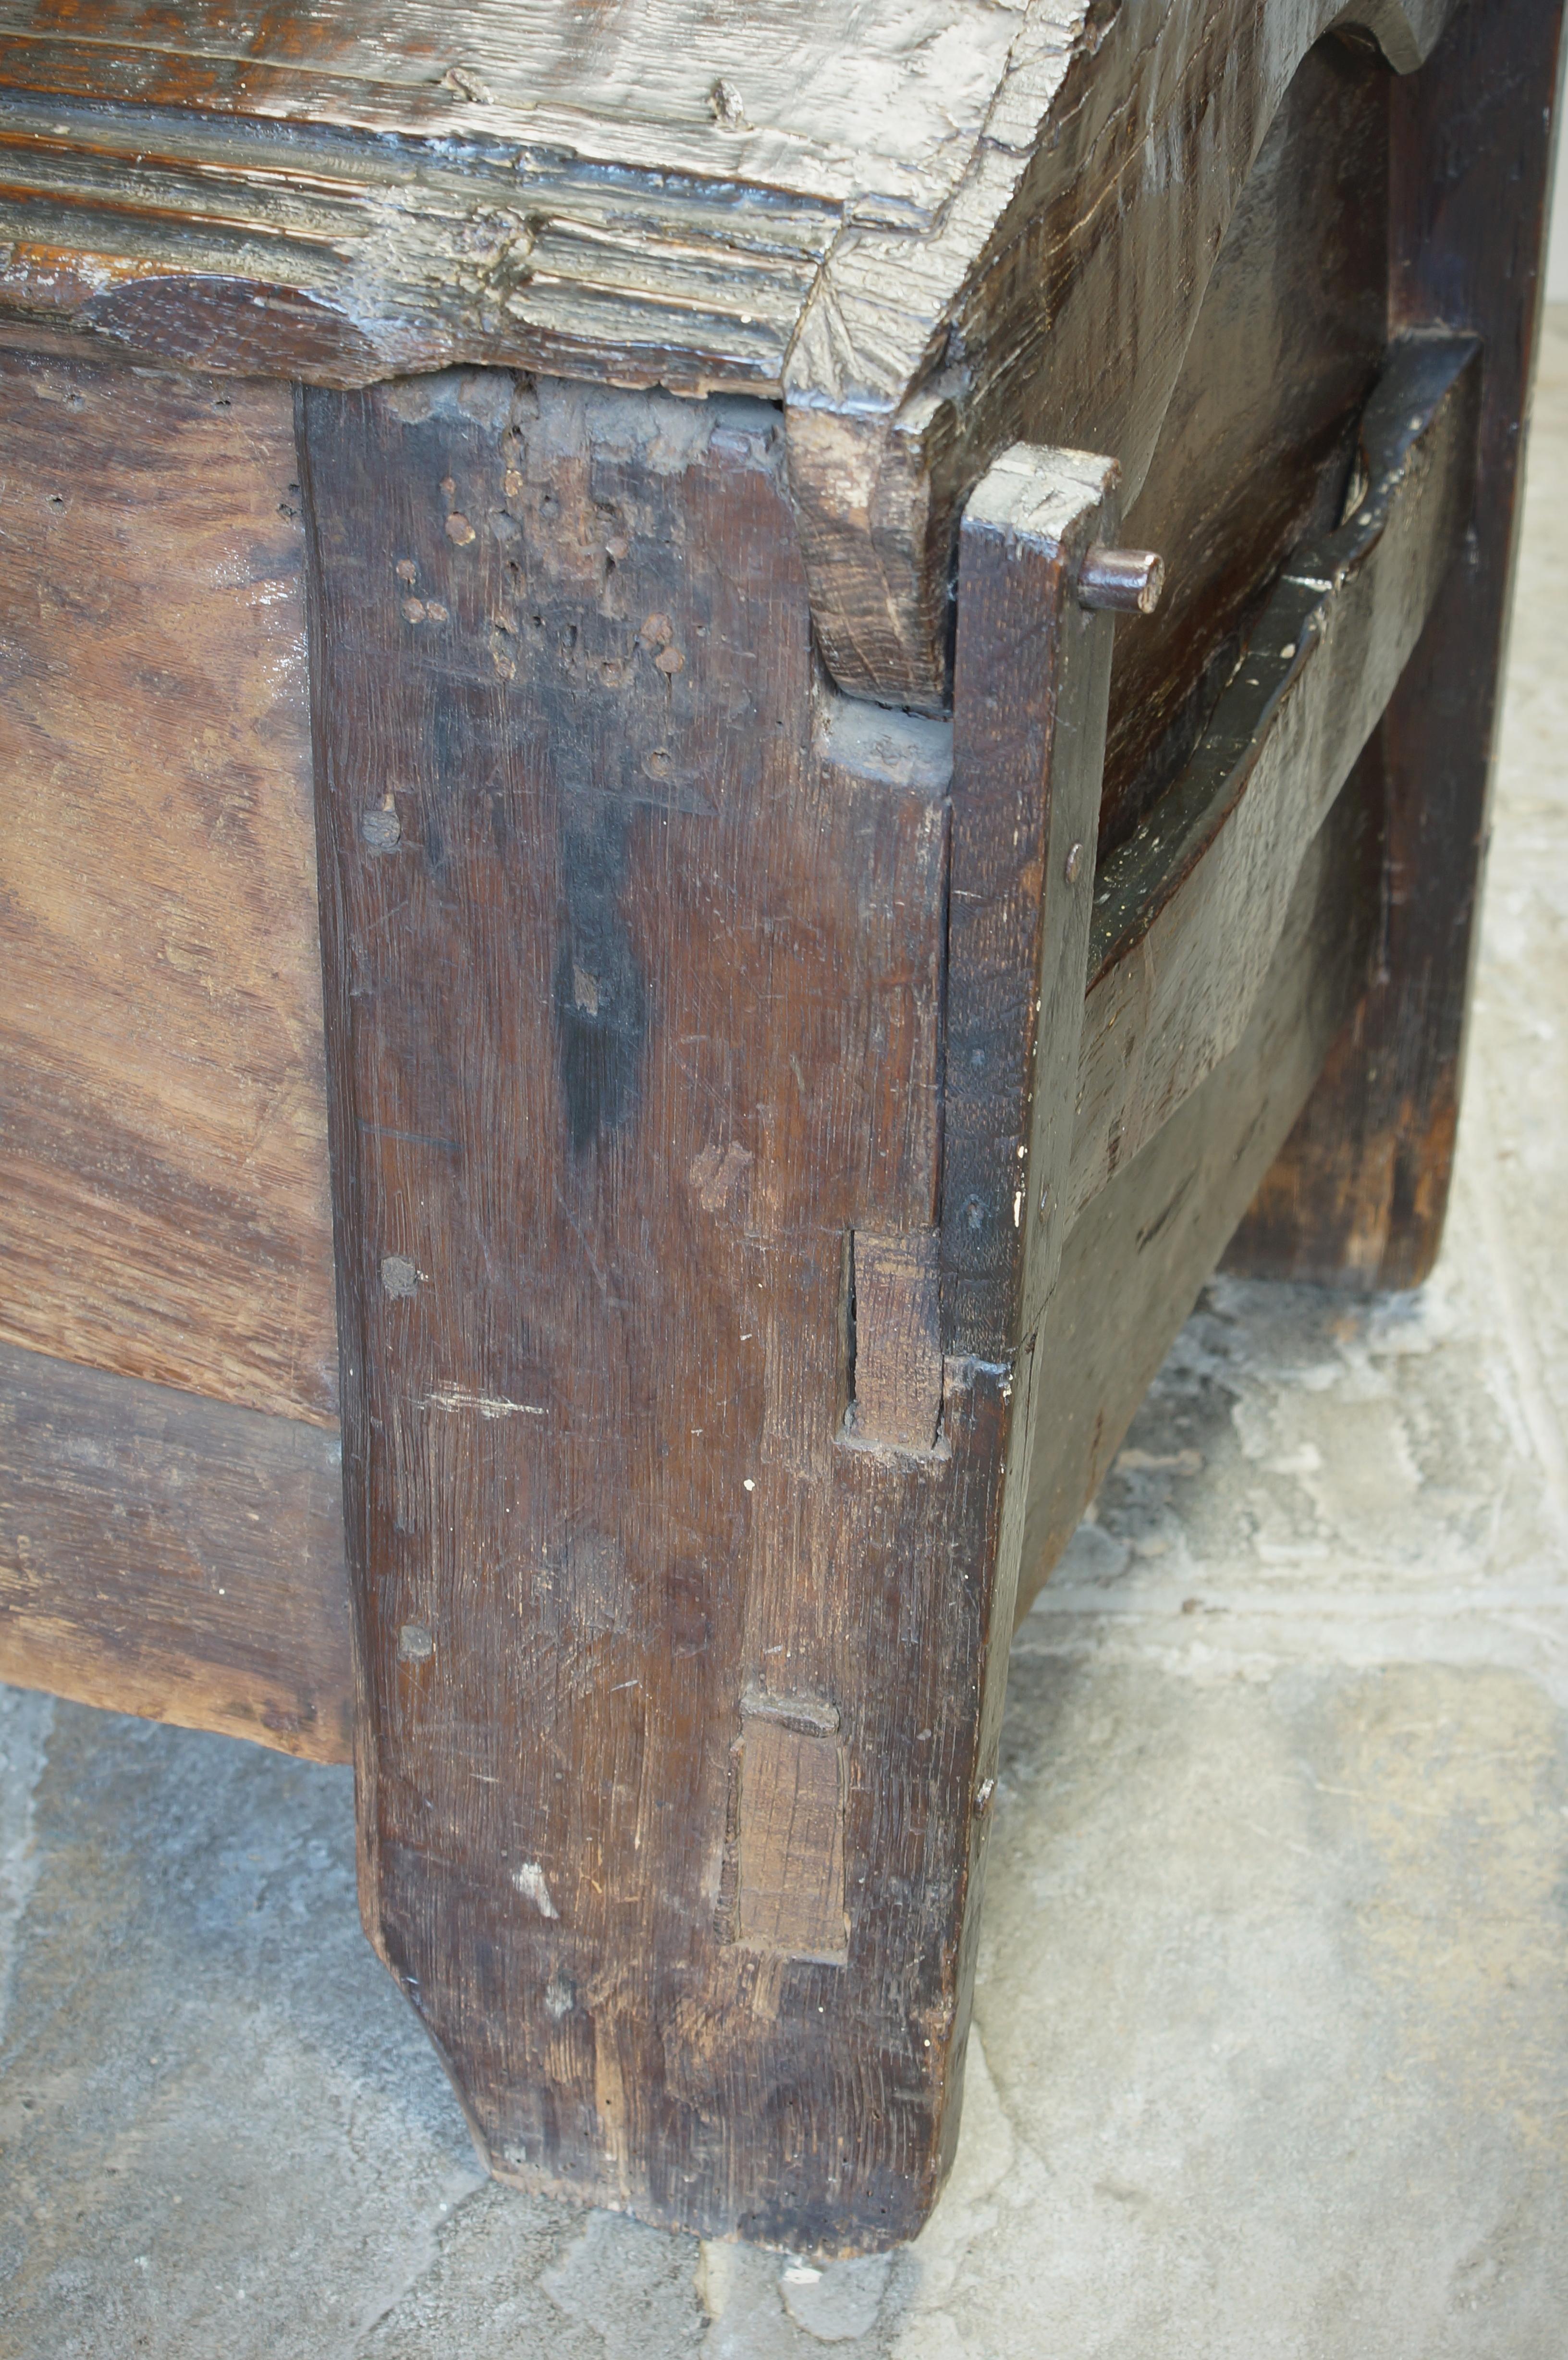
x: 163, y: 1177
x: 1188, y: 910
x: 1359, y: 1195
x: 675, y: 1419
x: 173, y: 1557
x: 634, y: 935
x: 1256, y: 446
x: 1028, y: 746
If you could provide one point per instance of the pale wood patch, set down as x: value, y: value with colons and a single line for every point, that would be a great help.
x: 791, y: 1842
x: 897, y: 1340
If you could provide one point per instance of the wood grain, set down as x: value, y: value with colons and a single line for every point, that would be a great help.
x: 790, y: 1870
x: 885, y: 103
x: 635, y: 940
x: 1359, y: 1195
x: 1031, y: 681
x: 896, y: 1361
x: 1136, y: 1258
x: 1055, y: 306
x: 752, y: 1242
x: 163, y: 1181
x: 1188, y: 911
x: 173, y: 1557
x: 634, y: 1012
x: 1232, y: 932
x: 1256, y: 441
x: 1029, y: 750
x: 889, y: 220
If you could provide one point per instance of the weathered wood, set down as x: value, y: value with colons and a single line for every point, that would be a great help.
x: 790, y: 1872
x: 895, y: 1367
x: 1359, y: 1195
x: 890, y: 226
x: 883, y: 108
x: 163, y: 1171
x: 671, y: 1643
x: 742, y: 1214
x: 1255, y: 443
x: 174, y: 1558
x: 1028, y: 751
x: 635, y: 1022
x: 1137, y: 1256
x: 1188, y: 911
x: 1232, y: 932
x: 1032, y: 678
x: 1054, y: 304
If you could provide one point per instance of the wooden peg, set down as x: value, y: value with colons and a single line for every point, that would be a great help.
x: 1121, y: 580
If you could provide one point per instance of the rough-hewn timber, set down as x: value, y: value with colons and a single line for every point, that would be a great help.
x: 1188, y: 911
x: 1359, y: 1195
x: 677, y: 1379
x: 945, y: 230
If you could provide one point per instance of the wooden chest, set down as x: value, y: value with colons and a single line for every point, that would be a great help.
x: 643, y: 969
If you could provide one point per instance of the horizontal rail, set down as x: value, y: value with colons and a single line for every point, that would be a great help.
x: 1189, y: 911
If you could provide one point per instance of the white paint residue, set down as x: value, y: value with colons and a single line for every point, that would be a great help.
x: 488, y: 1404
x: 529, y: 1880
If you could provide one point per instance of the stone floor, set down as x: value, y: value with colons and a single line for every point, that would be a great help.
x: 1271, y: 2053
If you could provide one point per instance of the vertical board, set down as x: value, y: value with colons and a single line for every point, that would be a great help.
x: 673, y: 1646
x: 633, y: 943
x: 1359, y: 1192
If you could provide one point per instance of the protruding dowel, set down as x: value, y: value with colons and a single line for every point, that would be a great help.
x: 1121, y: 580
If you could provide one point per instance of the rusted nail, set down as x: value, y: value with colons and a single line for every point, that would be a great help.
x: 1121, y: 580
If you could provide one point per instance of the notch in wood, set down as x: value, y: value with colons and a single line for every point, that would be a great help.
x: 1121, y: 580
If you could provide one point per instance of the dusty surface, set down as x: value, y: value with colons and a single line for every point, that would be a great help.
x: 1271, y: 2037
